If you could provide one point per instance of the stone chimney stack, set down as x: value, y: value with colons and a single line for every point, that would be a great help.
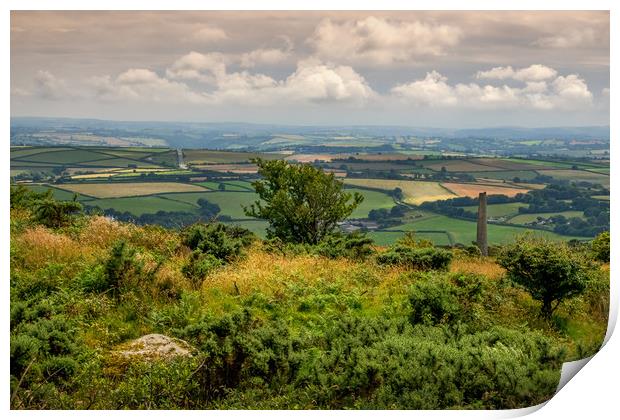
x: 481, y: 237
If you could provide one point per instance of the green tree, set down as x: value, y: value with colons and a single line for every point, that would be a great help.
x: 54, y: 213
x: 302, y: 203
x: 549, y: 271
x: 600, y: 247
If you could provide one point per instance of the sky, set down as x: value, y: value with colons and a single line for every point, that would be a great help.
x: 456, y: 69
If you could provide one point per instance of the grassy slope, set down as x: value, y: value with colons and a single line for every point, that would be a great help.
x: 302, y: 292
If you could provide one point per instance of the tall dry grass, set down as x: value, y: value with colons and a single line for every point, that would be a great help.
x: 477, y: 265
x: 38, y: 246
x: 272, y: 273
x: 101, y: 232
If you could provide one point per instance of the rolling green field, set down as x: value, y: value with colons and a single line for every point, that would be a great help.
x: 372, y: 200
x: 464, y: 231
x: 575, y: 175
x: 498, y: 210
x: 531, y: 217
x: 179, y: 191
x: 66, y: 156
x: 231, y: 203
x: 57, y: 193
x: 194, y: 156
x: 505, y: 175
x: 140, y: 205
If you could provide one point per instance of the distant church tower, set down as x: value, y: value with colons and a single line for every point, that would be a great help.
x: 481, y: 237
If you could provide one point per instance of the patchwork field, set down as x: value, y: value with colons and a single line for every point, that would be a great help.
x: 65, y: 156
x: 234, y: 168
x: 464, y: 231
x: 576, y: 175
x: 472, y: 190
x: 505, y: 175
x: 498, y: 210
x: 140, y: 205
x: 457, y: 166
x: 415, y: 192
x: 372, y: 200
x: 130, y: 189
x: 57, y: 193
x: 199, y: 156
x: 231, y: 204
x: 532, y: 217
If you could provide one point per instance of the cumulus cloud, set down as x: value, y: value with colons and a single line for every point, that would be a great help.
x: 268, y: 56
x: 49, y: 86
x: 143, y: 85
x: 582, y: 37
x: 319, y: 82
x: 564, y: 92
x: 312, y: 82
x: 200, y: 67
x: 378, y: 41
x: 208, y: 34
x: 535, y: 72
x: 432, y: 90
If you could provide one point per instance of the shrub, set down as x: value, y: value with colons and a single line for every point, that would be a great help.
x: 549, y: 271
x: 600, y: 247
x: 354, y: 245
x: 54, y: 214
x: 416, y: 258
x: 433, y: 302
x: 217, y: 239
x: 200, y: 265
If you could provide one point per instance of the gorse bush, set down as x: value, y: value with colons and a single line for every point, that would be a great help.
x: 200, y: 265
x: 356, y: 246
x: 601, y: 248
x: 219, y: 240
x: 416, y: 258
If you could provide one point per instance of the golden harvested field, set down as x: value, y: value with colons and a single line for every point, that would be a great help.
x: 311, y: 157
x: 130, y: 189
x: 472, y: 190
x: 415, y: 192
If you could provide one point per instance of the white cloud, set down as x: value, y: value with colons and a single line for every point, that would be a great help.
x: 319, y: 82
x: 377, y: 41
x: 49, y: 86
x: 571, y: 91
x: 209, y: 34
x: 143, y: 85
x: 432, y: 90
x: 196, y: 66
x: 535, y: 72
x: 583, y: 37
x: 564, y: 92
x: 267, y: 56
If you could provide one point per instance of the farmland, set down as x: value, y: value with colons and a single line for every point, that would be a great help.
x: 472, y: 190
x: 130, y: 189
x: 415, y: 192
x: 145, y: 180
